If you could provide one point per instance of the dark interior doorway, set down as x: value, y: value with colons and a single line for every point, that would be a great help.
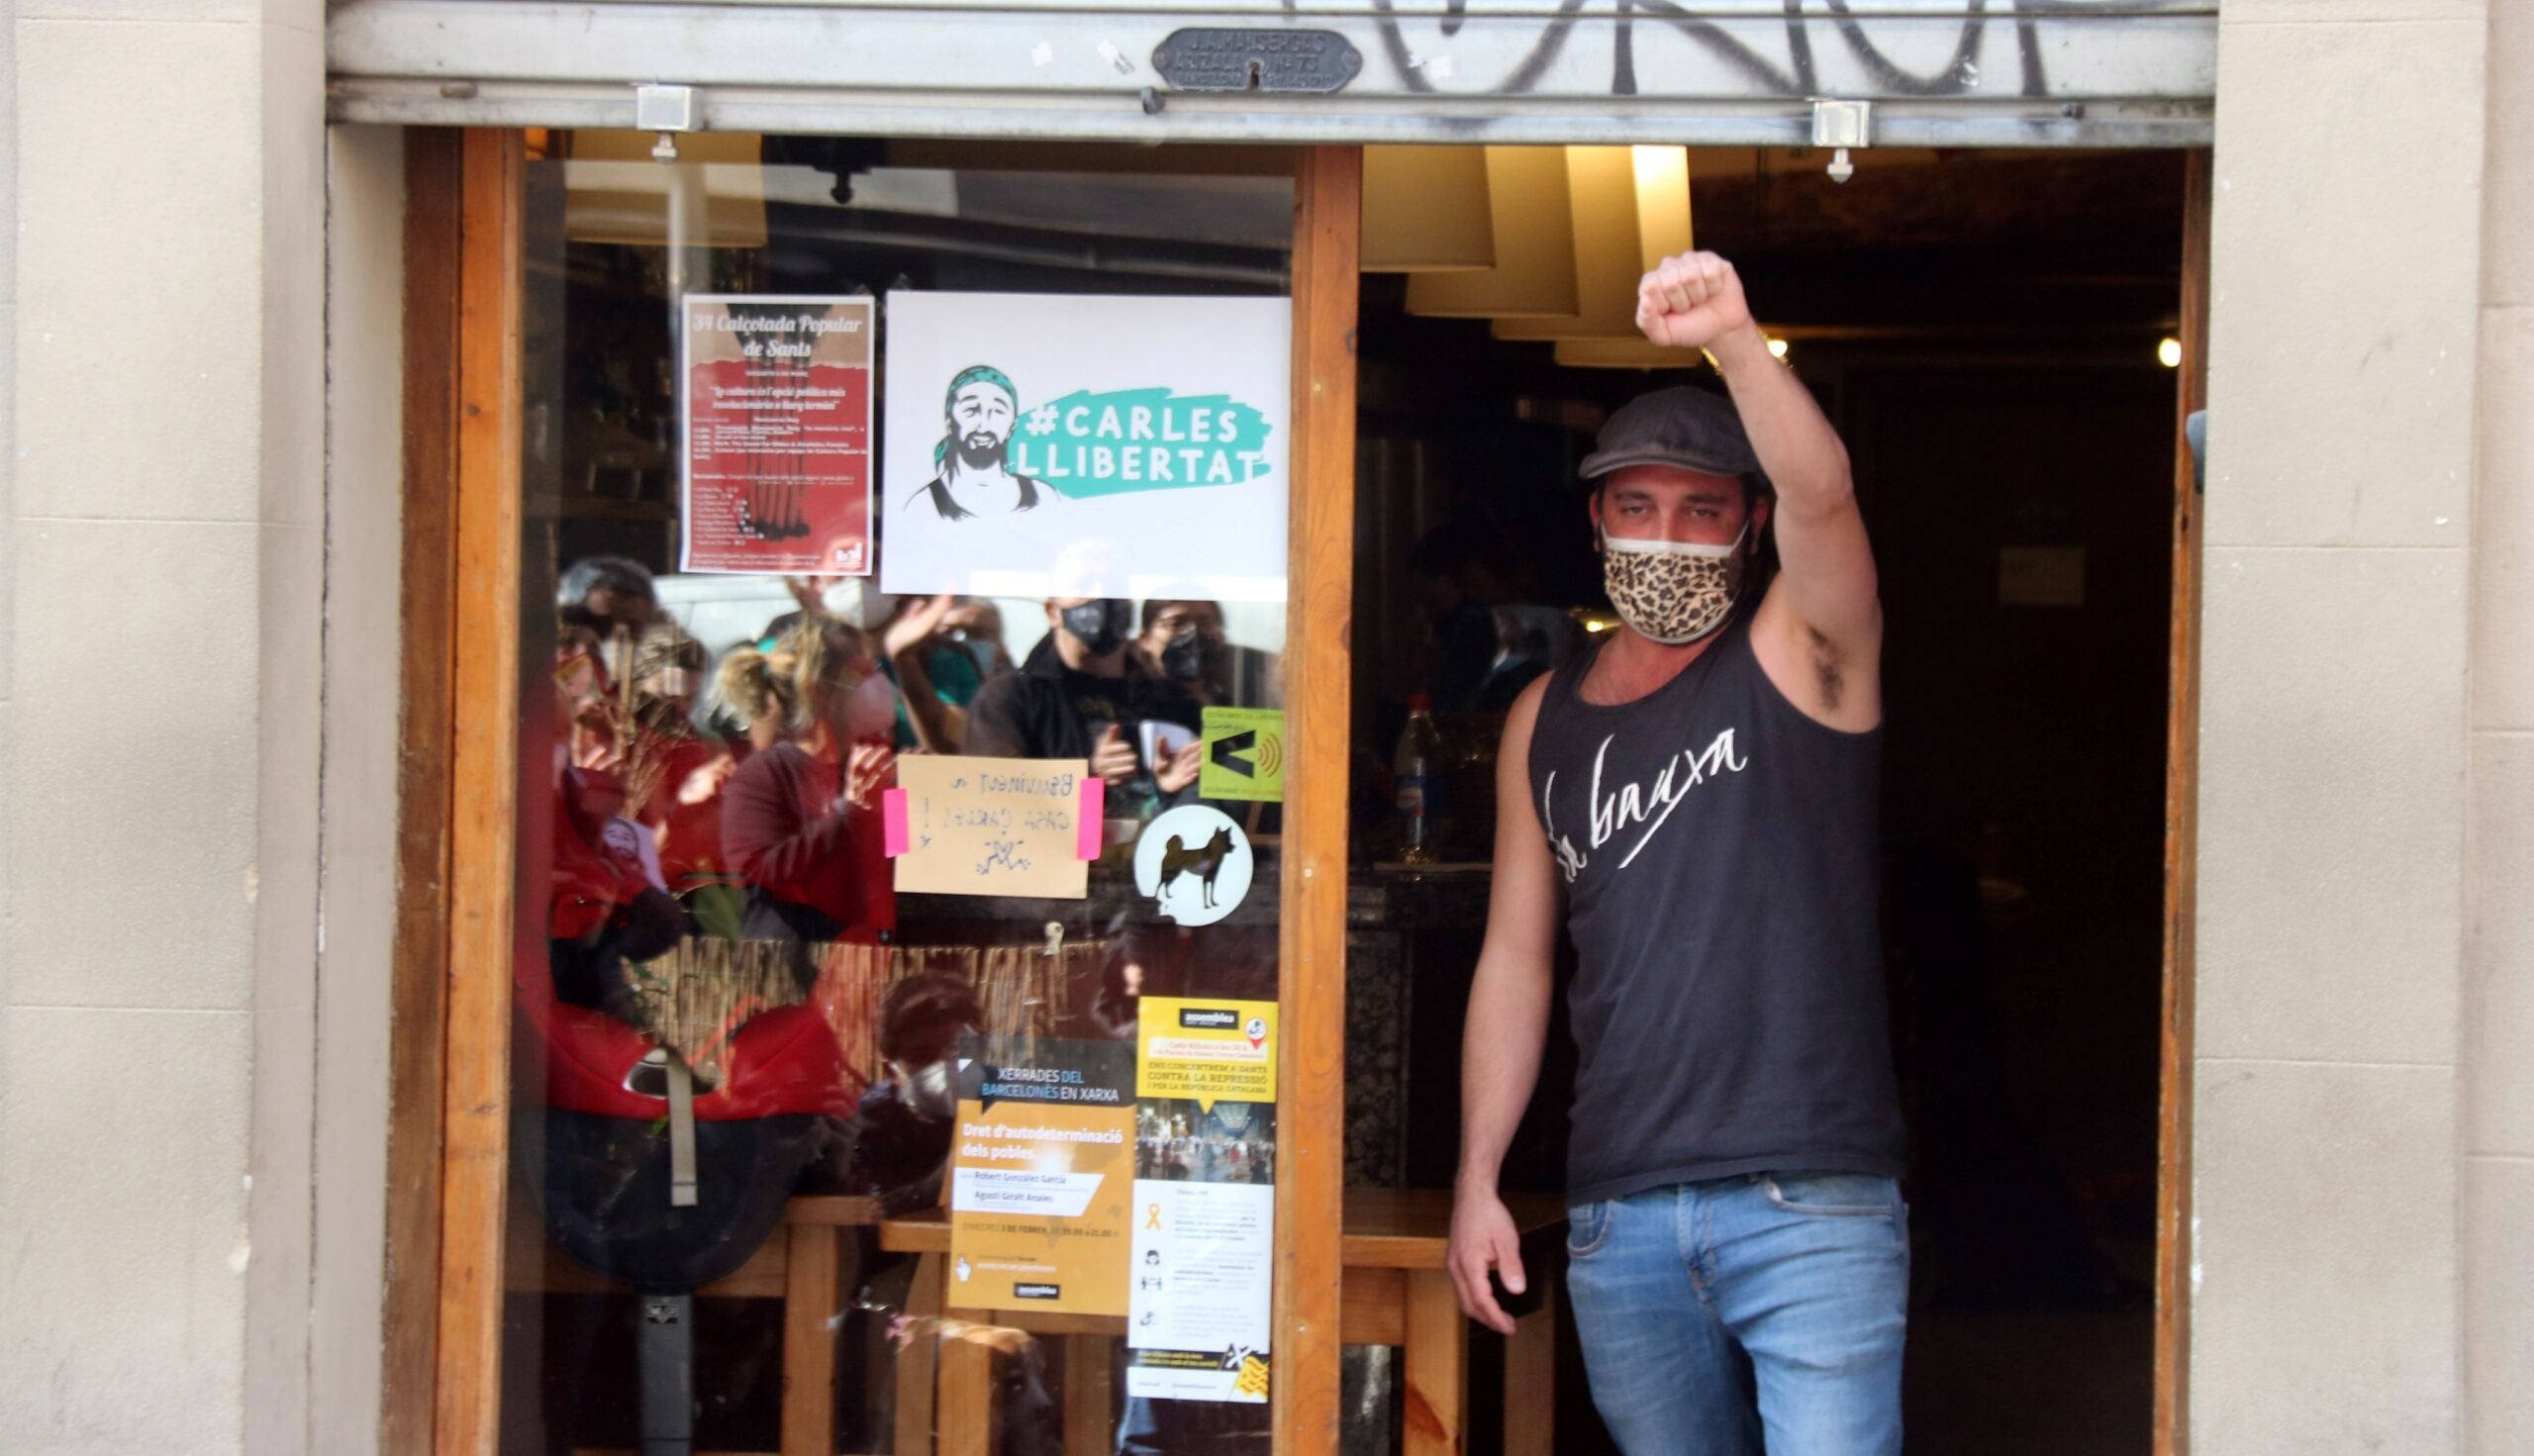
x: 1984, y: 328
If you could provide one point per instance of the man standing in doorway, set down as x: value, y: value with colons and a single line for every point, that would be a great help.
x: 1704, y: 789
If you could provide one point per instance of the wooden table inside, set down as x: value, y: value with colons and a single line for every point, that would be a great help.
x: 1396, y: 1292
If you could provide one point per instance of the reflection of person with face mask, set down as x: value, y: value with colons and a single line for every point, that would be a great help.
x: 799, y: 822
x: 1182, y: 643
x: 1075, y: 697
x: 612, y: 599
x: 907, y: 1115
x: 675, y: 782
x: 973, y: 473
x: 1182, y: 664
x: 608, y: 903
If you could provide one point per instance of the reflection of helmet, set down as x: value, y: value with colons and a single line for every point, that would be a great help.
x: 607, y: 1177
x: 925, y: 999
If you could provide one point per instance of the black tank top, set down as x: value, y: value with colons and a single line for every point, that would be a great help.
x: 1719, y: 853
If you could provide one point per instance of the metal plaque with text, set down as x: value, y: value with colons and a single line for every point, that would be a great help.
x: 1203, y: 58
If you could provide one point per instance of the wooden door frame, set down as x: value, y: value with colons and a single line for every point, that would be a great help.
x: 433, y: 230
x: 1311, y: 1116
x: 450, y: 1073
x: 450, y: 1054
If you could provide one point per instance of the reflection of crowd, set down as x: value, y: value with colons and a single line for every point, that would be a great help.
x: 1179, y: 1142
x: 738, y: 799
x: 1128, y: 700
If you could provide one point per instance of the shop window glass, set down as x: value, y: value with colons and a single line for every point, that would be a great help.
x: 858, y: 892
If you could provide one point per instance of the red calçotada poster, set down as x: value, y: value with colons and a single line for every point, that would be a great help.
x: 777, y: 468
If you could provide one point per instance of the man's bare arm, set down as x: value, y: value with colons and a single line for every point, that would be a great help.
x: 1831, y: 615
x: 1829, y: 568
x: 1508, y: 1027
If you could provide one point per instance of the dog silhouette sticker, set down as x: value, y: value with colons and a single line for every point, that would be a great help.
x: 1195, y: 863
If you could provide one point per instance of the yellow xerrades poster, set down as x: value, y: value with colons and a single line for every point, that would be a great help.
x: 1043, y: 1176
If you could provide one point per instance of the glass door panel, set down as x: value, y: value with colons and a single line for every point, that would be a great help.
x: 898, y: 836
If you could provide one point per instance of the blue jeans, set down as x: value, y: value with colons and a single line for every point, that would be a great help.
x: 1762, y: 1312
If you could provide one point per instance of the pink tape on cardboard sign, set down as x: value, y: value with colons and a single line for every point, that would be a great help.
x: 1087, y: 823
x: 893, y: 823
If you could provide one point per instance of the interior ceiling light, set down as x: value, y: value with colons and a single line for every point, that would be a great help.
x: 616, y: 192
x: 1630, y: 211
x: 1636, y: 354
x: 1534, y: 230
x: 2169, y: 352
x: 1426, y: 208
x: 1622, y: 353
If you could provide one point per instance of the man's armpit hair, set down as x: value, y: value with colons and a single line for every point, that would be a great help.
x: 1828, y: 669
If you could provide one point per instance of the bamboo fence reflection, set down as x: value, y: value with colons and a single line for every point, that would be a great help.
x: 695, y: 997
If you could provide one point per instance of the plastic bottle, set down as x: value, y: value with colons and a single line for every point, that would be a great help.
x: 1417, y: 771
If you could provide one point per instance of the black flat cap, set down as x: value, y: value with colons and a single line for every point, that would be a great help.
x: 1682, y: 426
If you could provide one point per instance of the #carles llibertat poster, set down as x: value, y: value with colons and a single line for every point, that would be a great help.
x: 1092, y: 445
x: 776, y: 469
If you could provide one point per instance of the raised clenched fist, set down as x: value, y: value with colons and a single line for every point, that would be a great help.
x: 1690, y: 301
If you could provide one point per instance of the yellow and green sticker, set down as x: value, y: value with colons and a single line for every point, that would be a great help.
x: 1244, y: 754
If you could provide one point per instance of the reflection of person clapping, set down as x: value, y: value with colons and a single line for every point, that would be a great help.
x: 798, y: 820
x: 1074, y: 699
x: 972, y: 472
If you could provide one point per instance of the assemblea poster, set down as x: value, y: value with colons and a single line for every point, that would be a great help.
x: 776, y: 474
x: 1198, y: 1321
x: 1086, y: 446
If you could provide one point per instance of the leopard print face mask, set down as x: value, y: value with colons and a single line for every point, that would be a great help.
x: 1672, y: 591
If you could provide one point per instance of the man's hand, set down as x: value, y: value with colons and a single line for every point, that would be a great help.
x: 1482, y: 1238
x: 916, y: 624
x: 869, y: 770
x: 810, y: 593
x: 600, y: 734
x: 1690, y: 301
x: 1113, y: 757
x: 707, y: 781
x: 1180, y: 769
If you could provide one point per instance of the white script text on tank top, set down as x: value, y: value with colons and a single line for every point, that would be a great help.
x: 1614, y: 814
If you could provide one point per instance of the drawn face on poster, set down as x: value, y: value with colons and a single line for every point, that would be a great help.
x: 1024, y: 431
x: 972, y: 473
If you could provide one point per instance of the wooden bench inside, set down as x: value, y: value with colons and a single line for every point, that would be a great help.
x: 1395, y: 1292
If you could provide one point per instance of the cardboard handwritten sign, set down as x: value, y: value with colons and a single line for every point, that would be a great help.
x: 994, y: 826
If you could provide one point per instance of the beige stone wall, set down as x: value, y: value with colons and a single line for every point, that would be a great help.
x: 8, y: 503
x: 158, y: 1023
x: 2498, y: 998
x: 2328, y: 1268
